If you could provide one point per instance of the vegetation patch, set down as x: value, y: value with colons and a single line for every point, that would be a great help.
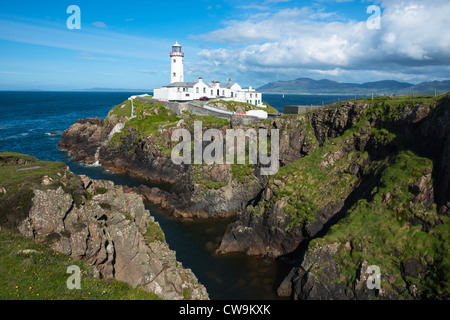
x: 20, y: 174
x: 380, y: 229
x: 154, y: 233
x: 31, y: 271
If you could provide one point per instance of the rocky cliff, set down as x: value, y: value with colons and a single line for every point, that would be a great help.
x: 361, y: 183
x: 374, y: 192
x: 94, y: 221
x: 142, y: 146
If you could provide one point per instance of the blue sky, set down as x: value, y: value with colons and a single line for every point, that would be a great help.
x: 126, y: 44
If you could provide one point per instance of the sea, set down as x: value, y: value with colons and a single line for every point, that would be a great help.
x: 32, y: 123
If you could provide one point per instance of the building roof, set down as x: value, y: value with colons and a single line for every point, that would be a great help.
x: 180, y: 84
x: 193, y: 83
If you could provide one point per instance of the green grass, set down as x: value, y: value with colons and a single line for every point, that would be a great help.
x: 150, y: 125
x: 42, y: 275
x: 234, y: 106
x: 314, y: 181
x: 121, y: 111
x: 241, y: 172
x: 154, y: 233
x: 101, y: 190
x: 20, y: 179
x: 149, y: 119
x: 382, y: 232
x: 207, y: 121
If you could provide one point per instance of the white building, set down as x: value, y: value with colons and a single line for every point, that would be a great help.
x: 179, y: 90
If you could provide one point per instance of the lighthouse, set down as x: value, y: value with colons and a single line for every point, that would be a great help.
x: 176, y: 64
x: 181, y: 90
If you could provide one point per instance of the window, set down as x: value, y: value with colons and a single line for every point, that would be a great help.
x: 187, y: 94
x: 223, y: 92
x: 204, y: 90
x: 174, y: 60
x: 212, y: 92
x: 196, y: 90
x: 174, y: 74
x: 250, y: 95
x: 184, y: 89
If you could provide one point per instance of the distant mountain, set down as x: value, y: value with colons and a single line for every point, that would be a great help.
x: 325, y: 86
x: 435, y: 85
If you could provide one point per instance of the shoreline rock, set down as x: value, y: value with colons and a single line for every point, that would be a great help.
x: 96, y: 221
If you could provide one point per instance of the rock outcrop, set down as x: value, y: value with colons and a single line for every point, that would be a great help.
x: 380, y: 163
x: 206, y: 191
x: 96, y: 221
x: 361, y: 183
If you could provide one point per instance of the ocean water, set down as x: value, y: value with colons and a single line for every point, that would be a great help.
x: 278, y: 101
x: 32, y: 123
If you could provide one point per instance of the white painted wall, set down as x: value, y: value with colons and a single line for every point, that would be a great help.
x: 176, y: 69
x: 258, y: 113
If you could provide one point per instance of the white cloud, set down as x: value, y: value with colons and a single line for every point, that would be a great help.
x: 99, y: 24
x: 87, y: 56
x: 88, y: 39
x: 413, y: 40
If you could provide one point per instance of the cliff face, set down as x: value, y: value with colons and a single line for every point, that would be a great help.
x: 361, y: 183
x: 375, y: 192
x: 92, y: 220
x: 142, y: 147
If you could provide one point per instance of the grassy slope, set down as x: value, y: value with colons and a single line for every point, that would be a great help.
x: 42, y: 275
x: 19, y: 180
x: 382, y: 228
x: 150, y: 117
x: 233, y: 106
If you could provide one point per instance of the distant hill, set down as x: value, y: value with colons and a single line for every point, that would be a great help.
x: 325, y: 86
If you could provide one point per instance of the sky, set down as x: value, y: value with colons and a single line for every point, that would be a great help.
x: 126, y: 44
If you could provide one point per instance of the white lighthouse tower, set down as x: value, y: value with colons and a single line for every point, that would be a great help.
x: 176, y: 64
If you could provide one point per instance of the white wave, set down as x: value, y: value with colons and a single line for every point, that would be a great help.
x: 95, y: 164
